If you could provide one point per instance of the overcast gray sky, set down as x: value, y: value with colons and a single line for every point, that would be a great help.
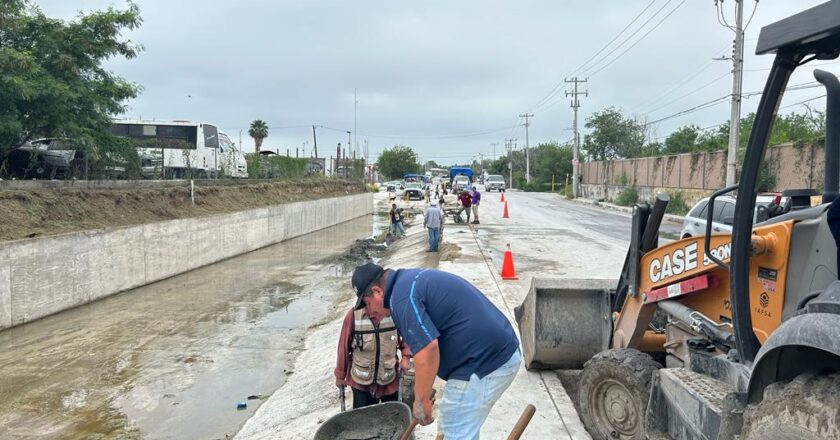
x: 448, y: 78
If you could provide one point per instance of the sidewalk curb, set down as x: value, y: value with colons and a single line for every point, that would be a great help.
x: 623, y: 209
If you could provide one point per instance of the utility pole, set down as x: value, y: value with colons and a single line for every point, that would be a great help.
x: 355, y: 107
x: 737, y: 80
x: 527, y: 154
x: 494, y: 150
x: 337, y: 158
x: 576, y: 150
x: 315, y: 141
x: 349, y: 146
x: 508, y: 143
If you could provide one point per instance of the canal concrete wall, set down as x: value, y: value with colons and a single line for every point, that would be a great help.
x: 42, y: 276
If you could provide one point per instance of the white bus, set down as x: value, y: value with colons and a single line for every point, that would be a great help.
x: 180, y: 149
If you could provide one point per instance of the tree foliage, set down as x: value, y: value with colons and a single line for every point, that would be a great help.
x: 393, y: 163
x: 259, y: 131
x: 52, y: 82
x: 613, y: 135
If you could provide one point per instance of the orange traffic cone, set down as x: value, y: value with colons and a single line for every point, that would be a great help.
x: 505, y: 214
x: 508, y: 272
x: 502, y: 199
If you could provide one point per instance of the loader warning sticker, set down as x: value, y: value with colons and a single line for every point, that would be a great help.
x: 767, y: 278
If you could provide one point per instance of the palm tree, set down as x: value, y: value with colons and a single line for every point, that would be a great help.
x: 258, y: 131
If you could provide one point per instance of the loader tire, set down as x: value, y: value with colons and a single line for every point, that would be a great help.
x: 806, y: 408
x: 613, y: 394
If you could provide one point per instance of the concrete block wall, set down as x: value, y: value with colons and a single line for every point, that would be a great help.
x: 611, y: 192
x: 42, y: 276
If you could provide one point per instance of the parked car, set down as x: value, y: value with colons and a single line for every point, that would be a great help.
x: 414, y: 191
x: 392, y: 186
x: 494, y: 182
x: 694, y: 224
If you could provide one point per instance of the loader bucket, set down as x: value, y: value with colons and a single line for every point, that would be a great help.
x: 564, y: 322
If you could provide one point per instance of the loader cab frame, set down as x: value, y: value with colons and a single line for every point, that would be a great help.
x: 811, y: 35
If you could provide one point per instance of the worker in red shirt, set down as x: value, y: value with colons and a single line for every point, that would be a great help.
x: 466, y: 202
x: 370, y: 367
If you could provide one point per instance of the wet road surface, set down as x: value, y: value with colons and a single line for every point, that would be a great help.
x: 171, y: 360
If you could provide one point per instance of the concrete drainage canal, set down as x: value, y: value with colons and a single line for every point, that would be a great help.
x: 174, y: 358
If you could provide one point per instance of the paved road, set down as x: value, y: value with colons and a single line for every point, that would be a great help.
x: 550, y: 235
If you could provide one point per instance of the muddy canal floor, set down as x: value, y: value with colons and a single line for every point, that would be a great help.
x: 172, y: 359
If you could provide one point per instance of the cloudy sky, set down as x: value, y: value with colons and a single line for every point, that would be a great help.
x: 448, y: 78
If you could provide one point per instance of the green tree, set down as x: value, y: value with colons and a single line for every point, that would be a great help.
x: 613, y: 136
x: 53, y: 83
x: 684, y: 140
x: 395, y: 162
x: 258, y: 131
x: 553, y: 160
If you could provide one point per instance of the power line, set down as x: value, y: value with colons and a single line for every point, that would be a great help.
x: 610, y: 62
x: 559, y: 85
x: 639, y: 40
x: 687, y: 78
x: 803, y: 102
x: 425, y: 137
x: 725, y: 75
x: 713, y: 102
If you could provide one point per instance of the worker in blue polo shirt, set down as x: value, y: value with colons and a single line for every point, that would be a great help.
x: 454, y: 332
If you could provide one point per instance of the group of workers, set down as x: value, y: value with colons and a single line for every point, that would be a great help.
x: 436, y: 319
x: 469, y: 200
x: 442, y: 323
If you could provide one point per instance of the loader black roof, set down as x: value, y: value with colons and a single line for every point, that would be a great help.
x: 815, y: 31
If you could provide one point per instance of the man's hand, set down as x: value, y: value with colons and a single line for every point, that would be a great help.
x: 339, y: 382
x: 423, y: 411
x: 404, y: 364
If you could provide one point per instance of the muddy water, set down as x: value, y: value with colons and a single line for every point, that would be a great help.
x: 172, y: 359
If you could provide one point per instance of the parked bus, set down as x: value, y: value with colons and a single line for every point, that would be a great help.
x: 180, y: 149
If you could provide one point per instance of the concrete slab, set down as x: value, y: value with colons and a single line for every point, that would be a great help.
x: 5, y: 289
x: 118, y: 263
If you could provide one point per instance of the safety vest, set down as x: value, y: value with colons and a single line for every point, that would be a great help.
x: 374, y: 350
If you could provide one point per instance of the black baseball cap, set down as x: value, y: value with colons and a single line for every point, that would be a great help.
x: 363, y: 277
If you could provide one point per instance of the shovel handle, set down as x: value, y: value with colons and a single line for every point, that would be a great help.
x: 522, y: 423
x: 407, y: 434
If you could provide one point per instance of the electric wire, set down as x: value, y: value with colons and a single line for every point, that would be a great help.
x: 638, y: 41
x: 559, y: 85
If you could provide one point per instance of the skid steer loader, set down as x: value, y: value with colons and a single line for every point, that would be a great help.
x: 714, y: 337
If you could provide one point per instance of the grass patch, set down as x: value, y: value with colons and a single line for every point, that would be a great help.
x: 627, y: 197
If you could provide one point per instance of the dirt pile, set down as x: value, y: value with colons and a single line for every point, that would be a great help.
x: 38, y: 212
x: 361, y: 251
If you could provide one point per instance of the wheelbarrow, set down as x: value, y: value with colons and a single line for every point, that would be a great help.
x: 385, y: 421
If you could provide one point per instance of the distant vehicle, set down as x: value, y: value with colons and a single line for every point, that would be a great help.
x: 694, y: 224
x: 459, y: 183
x: 233, y: 162
x: 47, y: 158
x: 178, y: 149
x: 494, y: 182
x: 391, y: 186
x: 412, y: 178
x: 414, y: 191
x: 460, y: 171
x: 58, y: 158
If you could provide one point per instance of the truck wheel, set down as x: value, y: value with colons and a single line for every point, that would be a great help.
x: 806, y: 408
x: 613, y: 393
